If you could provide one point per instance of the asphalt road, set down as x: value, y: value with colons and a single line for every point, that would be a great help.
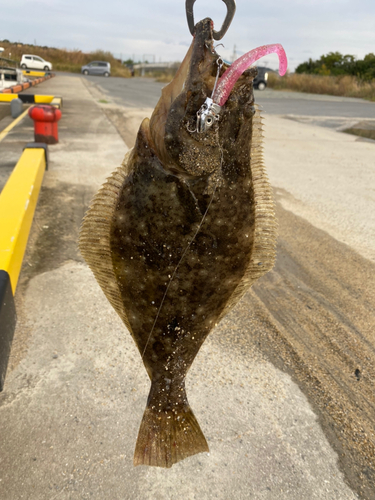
x: 145, y: 92
x: 130, y: 92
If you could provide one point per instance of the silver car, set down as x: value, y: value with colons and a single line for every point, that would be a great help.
x: 97, y: 68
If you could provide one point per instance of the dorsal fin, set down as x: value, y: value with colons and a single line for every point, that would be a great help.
x: 265, y: 232
x: 94, y: 239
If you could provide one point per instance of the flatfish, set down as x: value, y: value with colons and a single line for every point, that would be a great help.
x: 180, y: 231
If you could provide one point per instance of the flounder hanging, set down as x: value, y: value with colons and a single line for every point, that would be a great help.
x: 182, y: 229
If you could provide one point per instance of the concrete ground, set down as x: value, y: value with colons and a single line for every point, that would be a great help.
x: 11, y: 147
x: 329, y: 178
x: 76, y: 388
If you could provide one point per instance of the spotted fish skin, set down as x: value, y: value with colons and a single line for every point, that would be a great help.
x: 188, y: 226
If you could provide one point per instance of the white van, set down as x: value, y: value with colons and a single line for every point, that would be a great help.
x: 35, y: 62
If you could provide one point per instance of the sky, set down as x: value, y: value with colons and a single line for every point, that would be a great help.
x: 157, y: 29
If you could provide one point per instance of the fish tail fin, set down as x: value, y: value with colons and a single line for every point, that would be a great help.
x: 168, y: 436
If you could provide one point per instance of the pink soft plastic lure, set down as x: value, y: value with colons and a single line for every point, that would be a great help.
x: 232, y: 74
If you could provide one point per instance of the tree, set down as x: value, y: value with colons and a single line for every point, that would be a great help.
x: 366, y: 67
x: 334, y: 63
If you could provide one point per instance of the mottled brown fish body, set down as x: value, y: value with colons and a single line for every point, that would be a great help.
x: 177, y: 235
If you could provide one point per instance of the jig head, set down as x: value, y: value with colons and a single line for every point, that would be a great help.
x: 208, y: 114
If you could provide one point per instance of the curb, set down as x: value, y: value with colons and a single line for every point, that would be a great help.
x: 20, y: 87
x: 18, y: 200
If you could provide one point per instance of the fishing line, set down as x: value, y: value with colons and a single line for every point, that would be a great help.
x: 183, y: 255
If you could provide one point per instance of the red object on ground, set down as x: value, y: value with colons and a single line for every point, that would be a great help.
x: 45, y: 123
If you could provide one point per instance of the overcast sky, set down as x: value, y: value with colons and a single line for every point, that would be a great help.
x: 158, y: 28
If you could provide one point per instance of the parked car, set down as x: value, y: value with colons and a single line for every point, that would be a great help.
x: 29, y: 61
x: 260, y: 81
x: 97, y: 68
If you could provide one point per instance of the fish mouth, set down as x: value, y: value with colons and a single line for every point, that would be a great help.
x: 202, y: 75
x: 190, y: 86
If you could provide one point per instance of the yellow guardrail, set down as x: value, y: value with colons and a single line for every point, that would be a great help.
x: 18, y: 200
x: 30, y: 72
x: 8, y: 97
x: 28, y: 98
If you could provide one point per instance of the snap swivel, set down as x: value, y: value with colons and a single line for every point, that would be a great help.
x: 217, y: 35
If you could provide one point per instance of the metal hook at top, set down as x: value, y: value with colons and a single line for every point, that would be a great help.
x: 218, y: 35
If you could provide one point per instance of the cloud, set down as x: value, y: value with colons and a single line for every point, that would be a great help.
x: 306, y: 28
